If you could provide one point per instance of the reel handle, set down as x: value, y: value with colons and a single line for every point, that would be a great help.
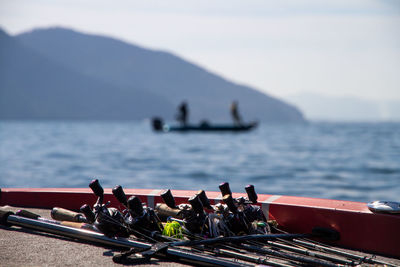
x: 87, y: 211
x: 135, y: 206
x: 168, y: 199
x: 225, y: 189
x: 119, y: 194
x: 96, y: 188
x: 228, y: 200
x: 204, y: 199
x: 251, y: 193
x: 197, y: 206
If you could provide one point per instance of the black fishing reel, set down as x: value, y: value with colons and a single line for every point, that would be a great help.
x: 235, y: 219
x: 252, y: 212
x: 198, y: 216
x: 214, y: 223
x: 136, y: 216
x: 191, y: 214
x: 169, y: 209
x: 243, y: 217
x: 195, y: 220
x: 109, y: 221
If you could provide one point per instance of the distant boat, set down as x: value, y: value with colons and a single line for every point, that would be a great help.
x: 160, y: 126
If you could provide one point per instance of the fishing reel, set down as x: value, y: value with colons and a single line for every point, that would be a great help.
x: 214, y: 224
x: 243, y: 217
x: 252, y: 212
x: 109, y: 221
x: 195, y: 220
x: 191, y: 215
x: 198, y: 216
x: 137, y: 217
x: 169, y: 209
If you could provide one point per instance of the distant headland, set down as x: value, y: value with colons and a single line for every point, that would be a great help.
x: 58, y: 73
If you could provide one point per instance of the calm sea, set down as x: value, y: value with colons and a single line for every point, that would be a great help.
x: 359, y: 162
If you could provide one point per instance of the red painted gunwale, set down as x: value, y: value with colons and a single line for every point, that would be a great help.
x: 359, y: 228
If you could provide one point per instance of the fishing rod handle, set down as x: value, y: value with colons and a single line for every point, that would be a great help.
x: 96, y: 188
x: 168, y: 198
x: 197, y: 206
x: 251, y: 193
x: 135, y: 206
x: 225, y: 189
x: 164, y: 212
x: 61, y: 214
x: 119, y: 194
x: 204, y: 199
x: 228, y: 200
x: 30, y: 215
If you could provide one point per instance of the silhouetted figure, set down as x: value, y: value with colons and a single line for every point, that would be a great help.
x: 235, y: 113
x: 183, y: 113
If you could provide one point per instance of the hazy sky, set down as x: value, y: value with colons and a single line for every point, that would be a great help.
x: 339, y: 47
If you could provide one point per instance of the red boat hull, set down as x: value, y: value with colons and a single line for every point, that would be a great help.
x: 359, y: 228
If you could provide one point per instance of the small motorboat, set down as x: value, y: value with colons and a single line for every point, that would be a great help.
x: 160, y: 126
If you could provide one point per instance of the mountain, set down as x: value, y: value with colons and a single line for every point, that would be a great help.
x: 345, y: 108
x: 35, y: 87
x: 111, y: 79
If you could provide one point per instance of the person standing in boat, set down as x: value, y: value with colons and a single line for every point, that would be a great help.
x: 235, y: 113
x: 183, y: 113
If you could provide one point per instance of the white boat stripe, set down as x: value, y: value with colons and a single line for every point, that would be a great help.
x: 265, y: 209
x: 265, y: 204
x: 156, y: 192
x: 271, y: 199
x: 150, y: 197
x: 150, y: 201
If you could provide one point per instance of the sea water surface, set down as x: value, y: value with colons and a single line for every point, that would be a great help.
x: 347, y: 161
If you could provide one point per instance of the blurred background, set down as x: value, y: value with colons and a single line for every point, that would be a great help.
x: 80, y: 82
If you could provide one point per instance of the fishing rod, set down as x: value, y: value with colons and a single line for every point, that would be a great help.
x: 194, y: 215
x: 287, y: 256
x: 238, y: 239
x: 147, y: 252
x: 252, y: 213
x: 245, y: 235
x: 323, y: 247
x: 244, y: 216
x: 223, y: 250
x: 136, y: 215
x: 255, y: 213
x: 236, y: 217
x: 61, y: 214
x: 194, y: 219
x: 67, y: 220
x: 309, y: 253
x: 8, y: 218
x: 217, y: 251
x: 108, y: 220
x: 244, y: 255
x: 358, y: 258
x: 191, y: 214
x: 238, y: 210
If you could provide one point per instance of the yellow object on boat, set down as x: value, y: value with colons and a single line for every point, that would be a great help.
x: 173, y: 229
